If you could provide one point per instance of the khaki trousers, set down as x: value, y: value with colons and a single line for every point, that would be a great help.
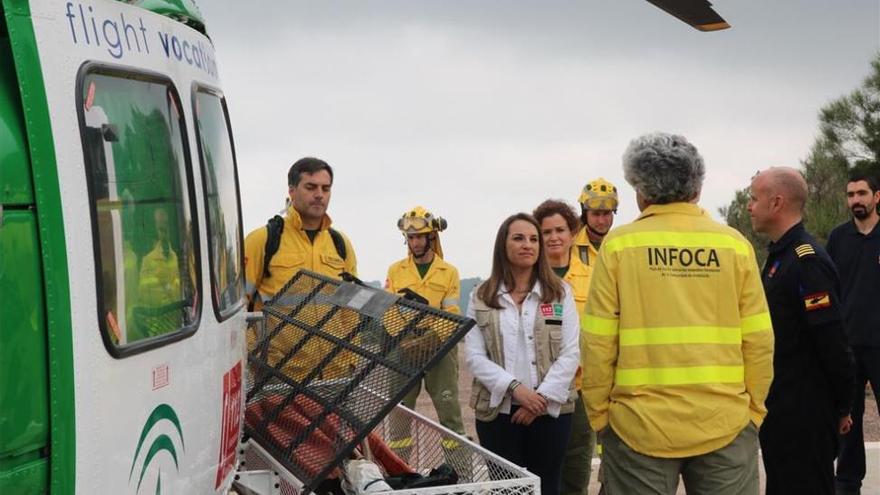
x: 731, y: 470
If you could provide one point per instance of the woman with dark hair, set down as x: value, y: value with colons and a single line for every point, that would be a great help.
x: 559, y: 225
x: 523, y: 354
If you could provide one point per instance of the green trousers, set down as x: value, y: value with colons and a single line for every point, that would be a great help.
x: 730, y: 470
x: 577, y: 464
x: 441, y: 382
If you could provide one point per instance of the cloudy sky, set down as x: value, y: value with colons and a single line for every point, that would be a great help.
x: 479, y: 109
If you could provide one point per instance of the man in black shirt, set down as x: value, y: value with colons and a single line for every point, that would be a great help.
x: 810, y: 397
x: 855, y: 248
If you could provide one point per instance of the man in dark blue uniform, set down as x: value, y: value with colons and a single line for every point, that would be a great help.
x: 855, y: 248
x: 812, y: 388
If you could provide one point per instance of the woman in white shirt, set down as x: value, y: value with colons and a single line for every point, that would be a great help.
x: 523, y: 354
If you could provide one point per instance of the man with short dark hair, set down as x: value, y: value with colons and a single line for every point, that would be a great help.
x: 809, y: 400
x: 854, y: 247
x: 306, y: 238
x: 302, y: 240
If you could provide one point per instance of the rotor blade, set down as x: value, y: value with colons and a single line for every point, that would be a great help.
x: 697, y: 13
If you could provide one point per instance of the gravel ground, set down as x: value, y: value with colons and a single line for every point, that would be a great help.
x: 871, y: 420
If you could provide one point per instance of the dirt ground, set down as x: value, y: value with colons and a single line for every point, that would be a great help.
x: 424, y: 406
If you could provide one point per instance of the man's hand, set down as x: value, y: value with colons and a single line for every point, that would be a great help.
x: 845, y: 424
x: 522, y: 416
x: 530, y: 400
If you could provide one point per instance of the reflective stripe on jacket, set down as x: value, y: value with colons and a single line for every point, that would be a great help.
x: 581, y: 248
x: 678, y: 336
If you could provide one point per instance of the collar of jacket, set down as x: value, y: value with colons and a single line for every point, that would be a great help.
x: 502, y: 290
x: 853, y: 229
x: 673, y: 208
x: 787, y: 238
x: 582, y: 238
x: 436, y: 262
x: 294, y: 220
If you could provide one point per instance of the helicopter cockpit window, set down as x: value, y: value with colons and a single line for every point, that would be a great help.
x: 221, y: 201
x: 140, y: 188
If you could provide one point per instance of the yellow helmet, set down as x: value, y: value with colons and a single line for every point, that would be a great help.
x: 599, y: 195
x: 420, y: 221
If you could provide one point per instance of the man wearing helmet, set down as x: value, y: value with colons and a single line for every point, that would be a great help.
x: 598, y: 202
x: 425, y: 272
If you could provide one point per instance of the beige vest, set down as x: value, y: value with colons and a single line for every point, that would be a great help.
x: 548, y: 341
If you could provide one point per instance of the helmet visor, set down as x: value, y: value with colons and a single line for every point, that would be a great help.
x: 413, y: 223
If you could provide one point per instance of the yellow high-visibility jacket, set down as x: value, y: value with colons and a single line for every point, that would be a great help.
x: 295, y: 253
x: 441, y: 285
x: 678, y: 336
x: 578, y: 277
x: 580, y: 273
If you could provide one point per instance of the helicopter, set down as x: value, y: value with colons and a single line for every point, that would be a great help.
x: 122, y: 297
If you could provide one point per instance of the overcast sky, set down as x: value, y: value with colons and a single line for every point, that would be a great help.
x: 480, y: 109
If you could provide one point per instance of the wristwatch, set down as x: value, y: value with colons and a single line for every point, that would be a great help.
x: 513, y: 384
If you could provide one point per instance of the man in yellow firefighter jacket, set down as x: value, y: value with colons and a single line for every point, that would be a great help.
x: 305, y: 242
x: 678, y: 338
x: 425, y: 272
x: 598, y: 202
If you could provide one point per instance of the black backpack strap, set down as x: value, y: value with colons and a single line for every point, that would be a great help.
x: 339, y: 243
x: 274, y: 228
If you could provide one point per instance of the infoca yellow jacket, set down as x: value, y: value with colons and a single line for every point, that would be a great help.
x: 295, y: 253
x: 441, y: 285
x: 678, y: 336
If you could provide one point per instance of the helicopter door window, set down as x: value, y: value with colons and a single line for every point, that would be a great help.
x: 221, y: 201
x: 140, y: 190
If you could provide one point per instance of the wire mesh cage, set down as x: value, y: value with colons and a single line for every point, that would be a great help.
x: 430, y: 446
x: 330, y: 360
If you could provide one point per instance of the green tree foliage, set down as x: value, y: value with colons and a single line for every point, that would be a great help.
x: 849, y: 138
x: 737, y: 216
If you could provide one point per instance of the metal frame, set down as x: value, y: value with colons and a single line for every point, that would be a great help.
x: 518, y: 481
x: 342, y: 400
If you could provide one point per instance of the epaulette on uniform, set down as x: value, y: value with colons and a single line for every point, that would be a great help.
x: 804, y: 250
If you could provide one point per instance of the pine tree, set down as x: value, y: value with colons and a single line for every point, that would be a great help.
x: 849, y: 138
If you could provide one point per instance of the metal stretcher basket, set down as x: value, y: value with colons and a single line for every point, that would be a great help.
x: 328, y: 364
x: 480, y: 471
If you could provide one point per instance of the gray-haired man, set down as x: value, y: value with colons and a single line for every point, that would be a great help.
x: 677, y: 336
